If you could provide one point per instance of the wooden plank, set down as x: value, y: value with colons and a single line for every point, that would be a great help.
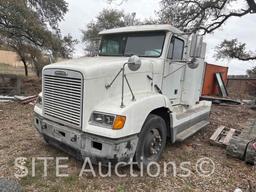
x: 29, y: 99
x: 216, y: 134
x: 229, y: 136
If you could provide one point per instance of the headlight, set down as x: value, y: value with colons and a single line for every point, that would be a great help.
x: 39, y: 100
x: 107, y: 120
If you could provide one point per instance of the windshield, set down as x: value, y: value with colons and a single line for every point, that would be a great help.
x: 146, y: 44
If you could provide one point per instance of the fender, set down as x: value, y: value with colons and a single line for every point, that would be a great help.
x: 139, y: 111
x: 136, y: 113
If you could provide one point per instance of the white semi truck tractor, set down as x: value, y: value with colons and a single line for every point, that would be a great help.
x: 140, y: 92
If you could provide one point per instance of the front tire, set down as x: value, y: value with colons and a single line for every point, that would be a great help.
x: 152, y: 140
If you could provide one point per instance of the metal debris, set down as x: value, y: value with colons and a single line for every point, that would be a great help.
x: 220, y: 101
x: 26, y: 100
x: 242, y: 146
x: 4, y: 99
x: 21, y: 99
x: 239, y: 144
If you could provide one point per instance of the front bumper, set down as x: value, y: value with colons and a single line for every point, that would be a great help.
x: 82, y: 145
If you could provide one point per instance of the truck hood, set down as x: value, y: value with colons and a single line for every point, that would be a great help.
x: 99, y: 67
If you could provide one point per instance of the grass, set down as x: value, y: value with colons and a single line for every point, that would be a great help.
x: 120, y: 188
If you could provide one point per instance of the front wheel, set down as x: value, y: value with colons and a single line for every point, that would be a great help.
x: 152, y: 140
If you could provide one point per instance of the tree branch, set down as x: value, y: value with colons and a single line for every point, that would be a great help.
x: 217, y: 24
x: 205, y: 16
x: 234, y: 50
x: 244, y: 58
x: 252, y: 5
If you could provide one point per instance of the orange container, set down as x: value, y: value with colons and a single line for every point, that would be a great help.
x: 210, y: 85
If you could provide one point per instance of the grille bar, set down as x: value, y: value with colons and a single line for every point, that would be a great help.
x: 59, y: 84
x: 63, y: 95
x: 60, y: 78
x: 71, y: 99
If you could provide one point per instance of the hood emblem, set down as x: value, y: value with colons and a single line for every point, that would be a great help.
x: 60, y: 73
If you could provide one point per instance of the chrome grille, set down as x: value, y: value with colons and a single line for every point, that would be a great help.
x: 62, y: 97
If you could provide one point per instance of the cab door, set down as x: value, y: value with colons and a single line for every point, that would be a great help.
x: 174, y: 70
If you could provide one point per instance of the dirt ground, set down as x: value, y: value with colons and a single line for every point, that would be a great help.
x: 18, y: 138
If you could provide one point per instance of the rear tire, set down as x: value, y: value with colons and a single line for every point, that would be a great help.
x: 152, y: 141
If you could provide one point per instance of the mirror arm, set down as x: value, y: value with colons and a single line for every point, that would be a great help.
x: 122, y: 97
x: 124, y: 78
x: 175, y: 71
x: 133, y: 97
x: 109, y: 85
x: 134, y: 64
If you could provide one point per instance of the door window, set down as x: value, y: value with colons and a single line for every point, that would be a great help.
x: 176, y: 49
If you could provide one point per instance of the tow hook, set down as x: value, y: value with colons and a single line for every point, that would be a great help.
x: 44, y: 126
x: 74, y: 139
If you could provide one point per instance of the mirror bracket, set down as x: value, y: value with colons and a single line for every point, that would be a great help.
x: 134, y: 63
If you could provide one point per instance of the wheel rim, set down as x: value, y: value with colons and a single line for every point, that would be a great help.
x: 153, y: 144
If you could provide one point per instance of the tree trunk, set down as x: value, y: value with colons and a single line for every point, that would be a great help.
x: 37, y: 70
x: 25, y: 66
x: 36, y: 66
x: 22, y: 58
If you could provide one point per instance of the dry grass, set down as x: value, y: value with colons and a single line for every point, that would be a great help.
x: 19, y: 138
x: 8, y: 69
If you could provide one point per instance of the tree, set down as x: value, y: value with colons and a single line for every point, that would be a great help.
x: 234, y: 50
x: 151, y: 21
x: 252, y: 72
x: 67, y: 47
x: 206, y: 16
x: 107, y: 19
x: 203, y: 15
x: 29, y: 26
x: 39, y: 58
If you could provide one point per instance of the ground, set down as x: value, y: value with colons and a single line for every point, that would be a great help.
x: 18, y: 138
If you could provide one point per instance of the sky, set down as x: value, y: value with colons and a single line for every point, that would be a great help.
x: 81, y: 12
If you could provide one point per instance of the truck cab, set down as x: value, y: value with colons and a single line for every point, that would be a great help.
x: 141, y: 91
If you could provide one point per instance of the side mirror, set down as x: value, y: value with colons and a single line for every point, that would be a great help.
x: 196, y: 46
x: 134, y: 63
x: 193, y: 64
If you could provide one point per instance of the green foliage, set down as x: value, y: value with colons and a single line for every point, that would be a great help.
x: 28, y: 20
x: 107, y: 19
x: 110, y: 18
x: 151, y: 21
x: 252, y: 72
x: 120, y: 188
x: 50, y: 11
x: 234, y: 50
x: 31, y: 26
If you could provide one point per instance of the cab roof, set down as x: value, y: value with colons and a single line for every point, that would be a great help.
x: 141, y: 28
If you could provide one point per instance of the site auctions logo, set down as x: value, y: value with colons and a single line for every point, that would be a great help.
x: 204, y: 167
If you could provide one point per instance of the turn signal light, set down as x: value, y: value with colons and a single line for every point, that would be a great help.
x: 119, y: 122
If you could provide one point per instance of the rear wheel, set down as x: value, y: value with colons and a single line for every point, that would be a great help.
x: 152, y: 140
